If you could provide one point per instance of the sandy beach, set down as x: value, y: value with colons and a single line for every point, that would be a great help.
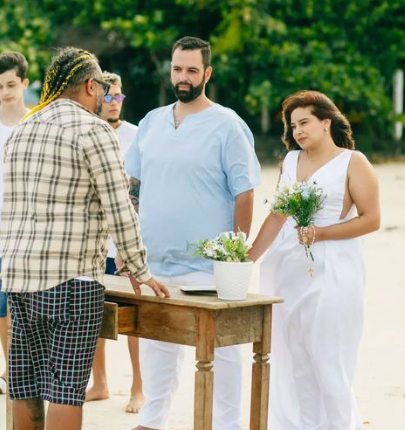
x: 380, y: 378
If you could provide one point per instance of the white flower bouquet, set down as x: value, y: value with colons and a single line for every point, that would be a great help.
x: 228, y: 246
x: 301, y: 201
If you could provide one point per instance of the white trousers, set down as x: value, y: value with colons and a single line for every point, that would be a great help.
x: 160, y: 369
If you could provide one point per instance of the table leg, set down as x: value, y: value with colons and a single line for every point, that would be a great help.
x: 204, y: 377
x: 9, y: 403
x: 261, y: 376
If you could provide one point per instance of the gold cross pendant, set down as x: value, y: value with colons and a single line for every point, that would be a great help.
x: 311, y: 272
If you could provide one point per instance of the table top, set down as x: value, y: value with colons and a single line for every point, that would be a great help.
x: 120, y: 287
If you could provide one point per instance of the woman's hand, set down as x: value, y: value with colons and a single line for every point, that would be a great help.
x: 307, y: 235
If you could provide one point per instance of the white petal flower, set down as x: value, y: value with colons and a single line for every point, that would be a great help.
x: 209, y: 252
x: 305, y: 194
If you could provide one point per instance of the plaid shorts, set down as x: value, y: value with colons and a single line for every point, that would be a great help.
x: 3, y: 300
x: 54, y: 337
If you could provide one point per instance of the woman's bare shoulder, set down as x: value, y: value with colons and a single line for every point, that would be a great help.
x: 360, y: 165
x: 358, y: 160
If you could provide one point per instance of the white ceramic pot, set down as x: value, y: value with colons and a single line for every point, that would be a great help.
x: 232, y: 279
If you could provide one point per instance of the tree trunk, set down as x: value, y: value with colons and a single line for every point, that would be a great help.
x: 213, y: 92
x: 265, y: 120
x: 398, y: 98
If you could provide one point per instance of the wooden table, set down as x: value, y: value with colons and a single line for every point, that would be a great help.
x: 202, y: 321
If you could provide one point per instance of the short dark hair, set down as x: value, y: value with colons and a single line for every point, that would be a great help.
x: 14, y: 60
x: 192, y: 44
x: 323, y: 108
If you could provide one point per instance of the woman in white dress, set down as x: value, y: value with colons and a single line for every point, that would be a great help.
x: 316, y: 332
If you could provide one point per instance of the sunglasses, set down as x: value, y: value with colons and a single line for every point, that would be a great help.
x: 106, y: 87
x: 119, y: 98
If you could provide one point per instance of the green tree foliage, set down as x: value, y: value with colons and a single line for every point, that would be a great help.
x: 263, y: 50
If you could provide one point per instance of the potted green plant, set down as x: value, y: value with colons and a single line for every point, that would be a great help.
x: 232, y: 269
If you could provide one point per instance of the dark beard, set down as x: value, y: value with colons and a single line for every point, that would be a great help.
x: 112, y: 120
x: 188, y: 96
x: 99, y: 105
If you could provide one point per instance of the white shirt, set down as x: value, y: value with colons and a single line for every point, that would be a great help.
x: 126, y: 134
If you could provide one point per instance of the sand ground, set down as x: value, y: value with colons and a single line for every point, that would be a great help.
x: 380, y: 378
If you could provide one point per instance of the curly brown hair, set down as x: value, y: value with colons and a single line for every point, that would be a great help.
x: 323, y: 108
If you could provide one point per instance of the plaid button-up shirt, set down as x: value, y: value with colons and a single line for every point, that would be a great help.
x: 65, y: 192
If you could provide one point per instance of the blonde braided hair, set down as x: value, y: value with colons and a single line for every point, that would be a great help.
x: 64, y: 72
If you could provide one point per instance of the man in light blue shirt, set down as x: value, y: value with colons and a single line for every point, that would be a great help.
x: 196, y: 162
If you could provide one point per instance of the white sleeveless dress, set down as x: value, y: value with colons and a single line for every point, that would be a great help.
x: 317, y: 330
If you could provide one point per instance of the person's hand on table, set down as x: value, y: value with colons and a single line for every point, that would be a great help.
x: 159, y: 289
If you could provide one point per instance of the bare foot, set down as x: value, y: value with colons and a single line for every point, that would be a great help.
x: 97, y: 394
x: 135, y: 404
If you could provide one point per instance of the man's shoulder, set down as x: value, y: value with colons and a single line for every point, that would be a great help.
x: 126, y: 133
x: 4, y: 135
x: 5, y: 130
x: 156, y: 114
x: 229, y: 119
x: 68, y: 114
x: 128, y: 126
x: 228, y: 114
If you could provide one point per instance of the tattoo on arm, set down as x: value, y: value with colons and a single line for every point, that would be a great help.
x: 134, y: 187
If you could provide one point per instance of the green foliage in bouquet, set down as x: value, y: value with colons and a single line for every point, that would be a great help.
x: 228, y: 246
x: 302, y: 201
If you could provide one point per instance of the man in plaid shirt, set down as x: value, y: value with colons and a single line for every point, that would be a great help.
x: 65, y: 191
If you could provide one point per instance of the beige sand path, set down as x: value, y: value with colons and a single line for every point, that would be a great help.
x: 380, y: 377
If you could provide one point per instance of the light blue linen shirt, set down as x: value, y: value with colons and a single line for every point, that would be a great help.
x: 189, y: 177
